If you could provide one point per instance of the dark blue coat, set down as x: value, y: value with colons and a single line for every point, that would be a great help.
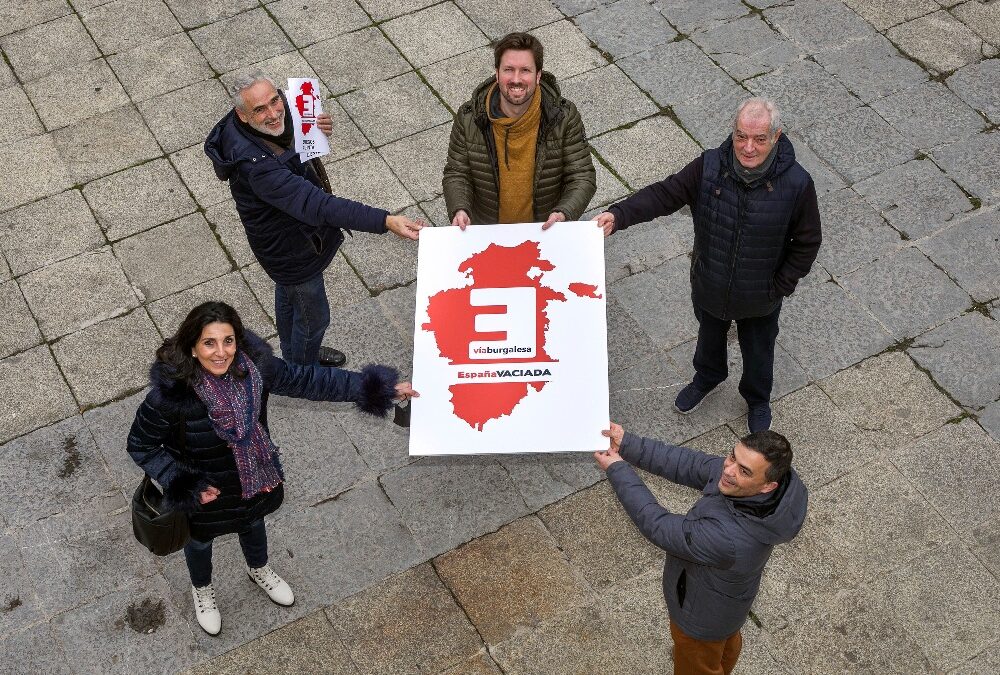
x: 752, y: 243
x: 292, y: 224
x: 173, y: 407
x: 717, y: 549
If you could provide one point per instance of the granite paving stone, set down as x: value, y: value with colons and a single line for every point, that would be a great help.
x: 650, y: 150
x: 133, y: 629
x: 852, y: 633
x: 156, y: 67
x: 204, y: 104
x: 240, y: 40
x: 363, y: 541
x: 542, y: 479
x: 709, y: 118
x: 983, y: 663
x: 567, y: 50
x: 675, y: 73
x: 121, y: 24
x: 858, y: 144
x: 818, y: 25
x: 68, y: 96
x: 691, y: 17
x: 375, y: 108
x: 14, y: 17
x: 31, y: 169
x: 309, y: 644
x: 589, y: 527
x: 806, y: 95
x: 68, y: 572
x: 363, y: 333
x: 172, y: 257
x: 225, y: 222
x: 278, y: 68
x: 446, y: 501
x: 7, y: 78
x: 907, y: 292
x: 136, y: 199
x: 429, y: 631
x: 514, y: 577
x: 968, y: 165
x: 609, y: 188
x: 456, y: 78
x: 854, y: 233
x: 354, y: 60
x: 15, y: 106
x: 826, y: 180
x: 871, y: 68
x: 930, y: 115
x: 72, y: 294
x: 806, y: 334
x: 48, y: 47
x: 418, y: 161
x: 946, y: 351
x: 37, y: 650
x: 109, y: 426
x: 499, y: 19
x: 346, y: 139
x: 105, y: 360
x: 589, y: 91
x: 947, y: 602
x: 989, y: 419
x: 890, y: 398
x: 982, y: 17
x: 104, y: 144
x: 574, y: 7
x: 966, y: 250
x: 194, y: 13
x: 230, y: 288
x: 436, y: 211
x: 746, y: 47
x: 386, y: 9
x: 940, y: 42
x: 369, y: 179
x: 883, y: 14
x: 434, y: 33
x: 20, y: 330
x: 343, y: 286
x: 382, y: 262
x: 308, y: 23
x: 660, y: 301
x: 47, y: 231
x: 317, y: 456
x: 917, y: 198
x: 381, y: 444
x: 399, y: 305
x: 984, y: 545
x: 639, y: 604
x: 55, y: 482
x: 951, y: 467
x: 978, y: 85
x: 627, y: 341
x: 479, y: 664
x: 625, y: 27
x: 5, y: 273
x: 36, y: 394
x: 18, y: 599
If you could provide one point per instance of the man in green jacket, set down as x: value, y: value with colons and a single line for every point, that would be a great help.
x: 518, y: 150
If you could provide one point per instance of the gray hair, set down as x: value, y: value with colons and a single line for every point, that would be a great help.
x: 246, y: 81
x: 758, y: 105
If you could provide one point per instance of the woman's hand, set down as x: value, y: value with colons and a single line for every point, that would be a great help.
x: 404, y: 391
x: 209, y: 494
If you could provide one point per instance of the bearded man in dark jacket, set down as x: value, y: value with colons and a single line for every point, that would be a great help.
x: 293, y: 222
x: 756, y: 234
x: 752, y: 500
x: 518, y: 151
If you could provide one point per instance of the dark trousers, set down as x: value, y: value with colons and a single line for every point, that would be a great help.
x: 756, y: 335
x: 302, y: 315
x: 700, y: 657
x: 198, y: 554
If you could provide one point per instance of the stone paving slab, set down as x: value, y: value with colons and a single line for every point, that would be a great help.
x: 945, y: 351
x: 966, y: 162
x: 31, y: 169
x: 47, y: 47
x: 156, y: 67
x: 930, y: 114
x: 977, y: 85
x: 746, y: 47
x: 20, y: 330
x: 317, y: 21
x: 965, y: 251
x: 939, y: 41
x: 455, y: 79
x: 589, y: 91
x: 433, y: 34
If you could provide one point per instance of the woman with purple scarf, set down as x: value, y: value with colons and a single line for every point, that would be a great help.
x: 202, y: 434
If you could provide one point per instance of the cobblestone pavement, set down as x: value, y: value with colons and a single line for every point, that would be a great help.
x: 112, y: 225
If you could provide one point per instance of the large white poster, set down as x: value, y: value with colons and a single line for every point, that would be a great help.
x: 510, y: 340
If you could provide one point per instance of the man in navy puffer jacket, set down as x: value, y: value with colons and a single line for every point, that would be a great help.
x: 292, y: 221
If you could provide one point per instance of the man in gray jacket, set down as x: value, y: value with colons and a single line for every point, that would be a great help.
x: 751, y: 500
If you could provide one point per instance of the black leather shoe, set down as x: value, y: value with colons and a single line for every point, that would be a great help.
x: 328, y: 356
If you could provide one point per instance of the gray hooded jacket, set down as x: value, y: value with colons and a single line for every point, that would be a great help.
x: 717, y: 551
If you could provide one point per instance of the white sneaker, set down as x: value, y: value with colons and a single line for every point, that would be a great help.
x: 275, y: 587
x: 206, y: 610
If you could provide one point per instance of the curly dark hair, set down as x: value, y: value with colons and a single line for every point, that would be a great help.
x: 776, y: 450
x: 518, y: 42
x: 176, y: 350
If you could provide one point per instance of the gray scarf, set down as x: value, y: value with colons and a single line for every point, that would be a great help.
x: 750, y: 175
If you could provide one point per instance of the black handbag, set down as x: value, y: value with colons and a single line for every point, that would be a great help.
x: 161, y: 530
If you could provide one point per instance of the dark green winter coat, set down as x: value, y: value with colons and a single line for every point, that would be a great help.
x: 565, y: 179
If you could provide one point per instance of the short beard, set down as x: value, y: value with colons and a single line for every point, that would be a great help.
x: 262, y: 128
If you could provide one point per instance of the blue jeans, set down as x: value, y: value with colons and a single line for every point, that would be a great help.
x: 302, y: 313
x: 198, y: 554
x: 756, y: 336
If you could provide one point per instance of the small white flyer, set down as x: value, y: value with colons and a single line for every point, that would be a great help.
x: 306, y: 106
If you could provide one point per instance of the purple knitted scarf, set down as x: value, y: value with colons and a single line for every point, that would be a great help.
x: 234, y: 408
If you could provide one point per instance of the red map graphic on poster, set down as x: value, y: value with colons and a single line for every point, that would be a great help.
x: 453, y: 323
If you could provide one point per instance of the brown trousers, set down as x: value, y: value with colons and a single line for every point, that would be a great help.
x: 700, y: 657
